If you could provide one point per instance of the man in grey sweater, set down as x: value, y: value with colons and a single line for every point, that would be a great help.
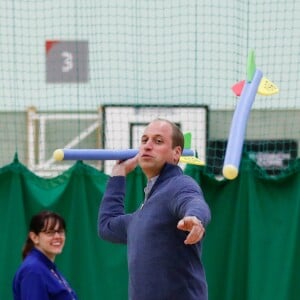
x: 164, y: 237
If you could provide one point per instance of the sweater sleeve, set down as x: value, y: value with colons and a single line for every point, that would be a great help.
x: 112, y: 220
x: 32, y: 287
x: 190, y: 201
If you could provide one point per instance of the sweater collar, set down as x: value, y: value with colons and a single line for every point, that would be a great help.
x: 43, y: 258
x: 167, y: 171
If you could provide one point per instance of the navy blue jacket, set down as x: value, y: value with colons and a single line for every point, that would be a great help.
x: 38, y: 279
x: 161, y: 266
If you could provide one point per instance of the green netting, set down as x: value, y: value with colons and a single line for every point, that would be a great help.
x: 61, y: 60
x: 90, y: 74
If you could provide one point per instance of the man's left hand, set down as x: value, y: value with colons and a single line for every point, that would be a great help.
x: 195, y: 228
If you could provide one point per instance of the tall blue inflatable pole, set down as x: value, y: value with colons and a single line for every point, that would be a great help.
x: 255, y: 83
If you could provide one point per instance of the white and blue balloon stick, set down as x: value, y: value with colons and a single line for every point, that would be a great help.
x: 101, y: 154
x: 247, y: 90
x: 188, y: 155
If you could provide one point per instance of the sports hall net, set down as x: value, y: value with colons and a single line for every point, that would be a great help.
x: 90, y: 74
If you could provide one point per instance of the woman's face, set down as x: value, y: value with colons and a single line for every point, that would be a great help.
x: 50, y: 241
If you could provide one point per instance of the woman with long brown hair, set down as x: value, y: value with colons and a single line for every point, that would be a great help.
x: 38, y: 277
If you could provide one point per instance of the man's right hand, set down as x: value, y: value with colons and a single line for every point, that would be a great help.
x: 123, y: 167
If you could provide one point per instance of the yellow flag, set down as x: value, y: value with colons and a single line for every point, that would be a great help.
x: 267, y: 88
x: 192, y: 160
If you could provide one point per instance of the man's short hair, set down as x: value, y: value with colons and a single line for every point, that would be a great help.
x: 177, y: 135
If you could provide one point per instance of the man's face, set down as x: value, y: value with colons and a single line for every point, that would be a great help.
x: 156, y: 148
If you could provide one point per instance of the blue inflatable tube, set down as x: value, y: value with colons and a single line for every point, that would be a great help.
x: 101, y: 154
x: 238, y: 127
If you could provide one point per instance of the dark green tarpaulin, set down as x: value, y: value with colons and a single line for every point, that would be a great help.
x: 251, y: 249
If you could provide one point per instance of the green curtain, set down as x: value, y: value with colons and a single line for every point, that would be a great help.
x: 250, y: 249
x: 252, y: 246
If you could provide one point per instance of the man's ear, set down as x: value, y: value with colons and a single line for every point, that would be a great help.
x: 177, y: 154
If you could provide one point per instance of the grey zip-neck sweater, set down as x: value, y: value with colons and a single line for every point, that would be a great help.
x: 161, y: 266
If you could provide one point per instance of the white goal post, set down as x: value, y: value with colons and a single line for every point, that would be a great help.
x: 40, y: 157
x: 123, y: 125
x: 110, y: 127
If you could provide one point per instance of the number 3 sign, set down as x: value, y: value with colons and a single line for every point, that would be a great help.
x: 66, y: 61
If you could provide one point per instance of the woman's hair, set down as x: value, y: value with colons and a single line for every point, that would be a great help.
x: 43, y: 221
